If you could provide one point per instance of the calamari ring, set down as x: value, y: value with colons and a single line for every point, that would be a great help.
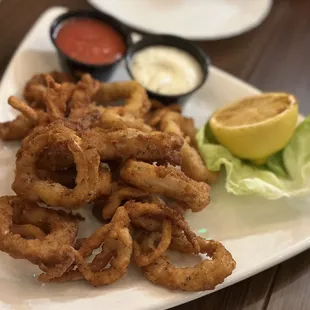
x: 117, y: 246
x: 204, y: 276
x: 151, y: 225
x: 119, y: 193
x: 91, y: 182
x: 62, y: 231
x: 99, y: 262
x: 121, y: 247
x: 160, y: 211
x: 55, y: 158
x: 143, y: 258
x: 136, y: 99
x: 57, y: 270
x: 181, y: 244
x: 166, y: 181
x: 119, y: 118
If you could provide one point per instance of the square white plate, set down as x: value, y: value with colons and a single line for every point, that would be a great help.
x: 259, y: 233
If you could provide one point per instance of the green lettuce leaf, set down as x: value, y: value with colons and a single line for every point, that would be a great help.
x: 285, y: 174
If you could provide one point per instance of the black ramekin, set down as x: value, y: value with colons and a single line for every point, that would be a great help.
x: 75, y: 67
x: 174, y: 41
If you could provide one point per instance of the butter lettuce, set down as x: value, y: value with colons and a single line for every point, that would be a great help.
x: 285, y: 174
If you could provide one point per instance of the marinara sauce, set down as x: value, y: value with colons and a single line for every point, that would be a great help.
x: 90, y: 41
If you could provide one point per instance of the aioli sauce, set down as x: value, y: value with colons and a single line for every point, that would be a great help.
x: 166, y: 70
x: 90, y: 41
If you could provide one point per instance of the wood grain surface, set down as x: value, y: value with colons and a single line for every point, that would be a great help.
x: 274, y: 56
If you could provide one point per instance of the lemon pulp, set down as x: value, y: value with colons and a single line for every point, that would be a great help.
x: 256, y: 127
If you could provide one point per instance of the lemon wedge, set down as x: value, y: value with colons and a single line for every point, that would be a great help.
x: 256, y: 127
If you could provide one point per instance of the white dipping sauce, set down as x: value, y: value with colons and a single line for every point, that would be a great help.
x: 166, y: 70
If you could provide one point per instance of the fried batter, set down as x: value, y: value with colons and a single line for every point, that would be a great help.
x: 76, y: 141
x: 167, y: 181
x: 160, y: 211
x: 192, y: 163
x: 132, y: 143
x: 35, y: 89
x: 143, y: 258
x: 154, y: 117
x: 204, y: 276
x: 136, y: 99
x: 28, y: 231
x: 107, y: 118
x: 117, y: 246
x: 91, y: 181
x: 119, y: 193
x: 57, y: 97
x: 62, y: 230
x: 21, y: 126
x: 84, y: 90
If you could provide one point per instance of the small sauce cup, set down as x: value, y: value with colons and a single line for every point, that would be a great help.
x: 76, y: 67
x: 170, y: 41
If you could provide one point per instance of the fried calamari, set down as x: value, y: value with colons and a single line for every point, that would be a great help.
x: 119, y: 193
x: 206, y: 275
x: 132, y: 143
x: 136, y: 163
x: 91, y: 180
x: 34, y: 233
x: 192, y: 163
x: 166, y: 181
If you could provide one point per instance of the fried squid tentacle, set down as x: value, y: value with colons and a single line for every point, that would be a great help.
x: 23, y: 124
x: 57, y: 97
x: 35, y: 89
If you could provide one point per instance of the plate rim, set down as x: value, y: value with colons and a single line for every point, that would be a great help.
x: 143, y: 29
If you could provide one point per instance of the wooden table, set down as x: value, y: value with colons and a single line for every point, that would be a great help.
x: 273, y: 57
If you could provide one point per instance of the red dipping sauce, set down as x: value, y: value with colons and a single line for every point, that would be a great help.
x: 90, y: 41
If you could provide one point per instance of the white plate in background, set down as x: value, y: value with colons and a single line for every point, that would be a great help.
x: 193, y: 19
x: 259, y: 233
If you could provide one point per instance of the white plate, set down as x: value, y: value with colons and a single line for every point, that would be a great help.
x: 259, y: 233
x: 193, y: 19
